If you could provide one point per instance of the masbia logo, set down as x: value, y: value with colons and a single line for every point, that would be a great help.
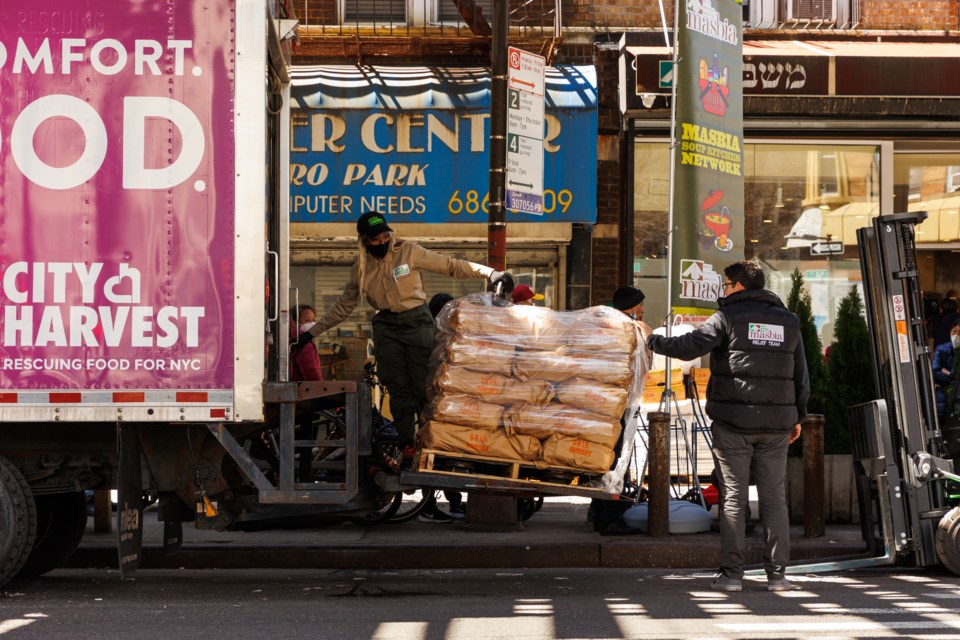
x: 699, y: 281
x: 771, y: 332
x: 704, y: 18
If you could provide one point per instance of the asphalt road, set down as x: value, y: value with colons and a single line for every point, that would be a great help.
x: 490, y: 604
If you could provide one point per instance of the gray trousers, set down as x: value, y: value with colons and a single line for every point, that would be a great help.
x: 762, y: 457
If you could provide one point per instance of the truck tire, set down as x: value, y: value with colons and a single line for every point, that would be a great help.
x: 61, y: 523
x: 18, y: 520
x: 948, y: 540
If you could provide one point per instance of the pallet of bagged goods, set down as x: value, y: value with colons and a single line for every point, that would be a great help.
x: 533, y: 394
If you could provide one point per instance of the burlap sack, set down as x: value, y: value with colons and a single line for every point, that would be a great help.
x: 488, y: 356
x: 494, y: 444
x: 577, y: 453
x: 483, y: 321
x: 491, y: 387
x: 613, y: 369
x: 604, y: 329
x: 555, y: 418
x: 595, y: 397
x: 468, y: 411
x: 538, y: 328
x: 553, y: 366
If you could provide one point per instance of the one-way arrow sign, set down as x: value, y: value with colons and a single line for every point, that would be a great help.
x: 826, y: 248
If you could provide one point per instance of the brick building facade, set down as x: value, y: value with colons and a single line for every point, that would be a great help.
x: 600, y: 257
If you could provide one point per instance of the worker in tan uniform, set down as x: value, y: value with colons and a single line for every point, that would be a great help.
x: 387, y: 272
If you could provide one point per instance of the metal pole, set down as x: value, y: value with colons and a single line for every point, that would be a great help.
x: 813, y: 482
x: 673, y: 169
x: 496, y: 221
x: 658, y: 467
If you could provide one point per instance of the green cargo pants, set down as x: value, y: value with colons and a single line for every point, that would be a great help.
x: 403, y: 342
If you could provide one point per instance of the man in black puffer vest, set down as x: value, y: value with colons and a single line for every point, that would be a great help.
x: 756, y: 397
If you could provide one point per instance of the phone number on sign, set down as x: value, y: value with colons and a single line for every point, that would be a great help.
x: 470, y: 202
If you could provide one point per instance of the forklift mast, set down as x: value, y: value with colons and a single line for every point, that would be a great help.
x: 900, y: 457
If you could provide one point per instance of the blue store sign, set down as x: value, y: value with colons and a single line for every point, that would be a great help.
x: 413, y: 142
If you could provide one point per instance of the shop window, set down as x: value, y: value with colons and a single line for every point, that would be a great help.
x: 797, y: 199
x: 447, y: 13
x: 953, y: 179
x: 374, y: 11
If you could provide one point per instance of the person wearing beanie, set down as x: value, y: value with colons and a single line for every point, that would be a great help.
x: 388, y: 274
x: 630, y: 301
x: 522, y: 294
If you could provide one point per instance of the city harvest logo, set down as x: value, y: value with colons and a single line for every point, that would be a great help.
x: 698, y: 281
x: 703, y: 17
x: 373, y: 221
x: 762, y: 334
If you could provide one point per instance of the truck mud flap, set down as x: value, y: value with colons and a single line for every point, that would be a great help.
x: 129, y: 501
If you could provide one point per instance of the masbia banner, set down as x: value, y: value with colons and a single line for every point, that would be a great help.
x: 708, y: 164
x: 116, y: 195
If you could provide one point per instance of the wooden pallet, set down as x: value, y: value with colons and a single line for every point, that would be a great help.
x: 520, y: 471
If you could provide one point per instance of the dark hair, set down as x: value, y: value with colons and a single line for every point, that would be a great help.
x: 437, y: 303
x: 956, y: 323
x: 746, y: 272
x: 949, y: 305
x: 301, y: 308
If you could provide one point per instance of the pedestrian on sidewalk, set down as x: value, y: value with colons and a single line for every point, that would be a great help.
x: 605, y: 515
x: 756, y: 398
x: 388, y: 272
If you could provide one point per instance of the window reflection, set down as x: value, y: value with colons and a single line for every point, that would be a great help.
x: 797, y: 197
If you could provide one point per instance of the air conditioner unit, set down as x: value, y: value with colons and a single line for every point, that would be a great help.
x: 811, y: 10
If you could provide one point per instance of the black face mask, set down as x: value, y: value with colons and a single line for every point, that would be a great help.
x: 378, y: 250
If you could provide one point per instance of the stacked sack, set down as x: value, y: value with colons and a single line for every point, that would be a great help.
x: 532, y: 384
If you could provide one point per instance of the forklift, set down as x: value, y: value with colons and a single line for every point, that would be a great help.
x: 903, y: 460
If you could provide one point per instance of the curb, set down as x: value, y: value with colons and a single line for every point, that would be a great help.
x: 641, y: 552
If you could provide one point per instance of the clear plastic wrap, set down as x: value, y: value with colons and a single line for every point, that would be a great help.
x: 568, y: 381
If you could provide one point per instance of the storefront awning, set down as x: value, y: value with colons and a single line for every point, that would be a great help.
x: 775, y: 68
x: 380, y: 87
x: 414, y: 143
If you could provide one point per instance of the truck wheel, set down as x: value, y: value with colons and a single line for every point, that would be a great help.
x: 61, y: 523
x: 18, y: 520
x: 948, y: 540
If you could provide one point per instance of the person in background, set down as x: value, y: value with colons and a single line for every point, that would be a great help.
x: 943, y: 359
x: 432, y: 513
x: 756, y: 398
x: 304, y: 359
x: 943, y: 323
x: 602, y: 513
x: 388, y: 273
x: 522, y: 294
x: 630, y: 301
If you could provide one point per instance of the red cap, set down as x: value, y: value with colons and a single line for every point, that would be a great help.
x: 522, y: 293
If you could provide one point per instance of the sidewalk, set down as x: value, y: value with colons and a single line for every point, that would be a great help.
x: 556, y: 536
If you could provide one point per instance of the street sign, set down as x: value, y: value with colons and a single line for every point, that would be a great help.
x: 826, y: 248
x: 666, y: 74
x: 524, y: 165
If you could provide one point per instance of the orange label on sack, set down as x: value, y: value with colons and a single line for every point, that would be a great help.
x: 488, y: 386
x: 470, y: 409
